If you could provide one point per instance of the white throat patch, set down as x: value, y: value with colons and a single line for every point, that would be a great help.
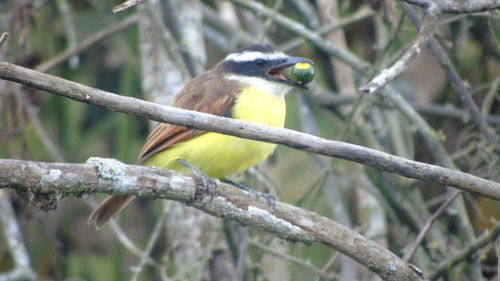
x: 275, y: 88
x: 251, y: 56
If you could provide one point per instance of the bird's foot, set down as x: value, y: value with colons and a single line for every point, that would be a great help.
x: 271, y: 201
x: 208, y: 183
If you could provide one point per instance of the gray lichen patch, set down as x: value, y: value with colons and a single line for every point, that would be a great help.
x: 52, y: 176
x: 107, y: 168
x: 113, y: 170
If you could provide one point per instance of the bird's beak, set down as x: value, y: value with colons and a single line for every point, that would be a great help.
x: 276, y: 71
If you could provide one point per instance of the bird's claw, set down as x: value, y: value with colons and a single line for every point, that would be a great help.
x: 208, y: 184
x: 271, y: 201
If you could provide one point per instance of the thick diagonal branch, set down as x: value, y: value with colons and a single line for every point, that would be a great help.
x: 287, y: 222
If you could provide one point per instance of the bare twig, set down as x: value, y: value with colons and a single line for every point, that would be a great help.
x: 171, y: 47
x: 287, y: 222
x: 299, y: 29
x: 3, y: 38
x: 86, y: 43
x: 467, y: 252
x: 213, y: 18
x: 126, y: 5
x: 361, y: 14
x: 182, y: 19
x: 69, y: 27
x: 497, y: 251
x: 491, y: 95
x: 333, y: 188
x: 124, y: 239
x: 208, y: 122
x: 306, y: 264
x: 447, y: 111
x: 457, y: 83
x: 307, y: 11
x: 343, y: 74
x: 52, y: 148
x: 155, y: 234
x: 386, y: 76
x: 268, y: 23
x: 413, y: 247
x: 13, y: 236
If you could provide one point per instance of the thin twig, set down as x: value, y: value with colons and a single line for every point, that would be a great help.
x: 299, y: 29
x: 124, y: 239
x: 360, y: 15
x: 155, y: 234
x: 413, y: 247
x: 493, y: 93
x: 268, y: 23
x: 87, y: 42
x: 14, y: 241
x: 50, y: 145
x: 307, y: 11
x: 386, y: 76
x: 3, y: 38
x: 466, y: 253
x: 172, y: 12
x: 330, y: 100
x: 457, y: 82
x: 213, y: 18
x: 126, y: 5
x: 296, y: 260
x: 69, y: 27
x: 170, y: 44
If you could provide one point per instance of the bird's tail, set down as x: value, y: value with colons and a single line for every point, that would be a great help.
x: 109, y: 208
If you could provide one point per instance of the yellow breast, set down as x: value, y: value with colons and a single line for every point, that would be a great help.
x: 220, y: 155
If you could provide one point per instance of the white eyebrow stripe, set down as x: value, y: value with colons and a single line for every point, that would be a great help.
x: 250, y: 56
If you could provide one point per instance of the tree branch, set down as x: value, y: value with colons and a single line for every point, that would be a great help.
x: 3, y: 38
x: 14, y: 241
x: 127, y: 5
x: 330, y: 99
x: 459, y: 6
x: 87, y: 42
x: 208, y: 122
x: 466, y: 253
x: 387, y: 75
x: 456, y: 81
x: 413, y: 246
x: 287, y: 222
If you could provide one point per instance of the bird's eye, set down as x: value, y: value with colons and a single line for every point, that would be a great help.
x: 260, y: 61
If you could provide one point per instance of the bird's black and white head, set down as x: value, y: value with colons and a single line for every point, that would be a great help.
x: 261, y: 65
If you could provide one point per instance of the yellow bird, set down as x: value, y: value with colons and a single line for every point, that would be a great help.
x: 247, y: 85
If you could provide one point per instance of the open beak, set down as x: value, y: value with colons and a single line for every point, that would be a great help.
x: 276, y: 72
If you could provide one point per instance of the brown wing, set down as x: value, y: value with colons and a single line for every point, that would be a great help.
x: 208, y: 93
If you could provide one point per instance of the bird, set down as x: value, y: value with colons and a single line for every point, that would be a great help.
x: 248, y: 85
